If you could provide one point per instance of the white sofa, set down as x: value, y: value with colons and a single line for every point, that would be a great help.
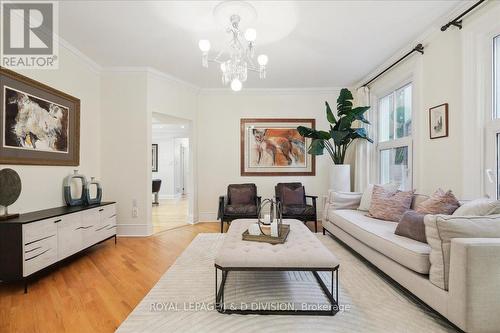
x: 472, y: 301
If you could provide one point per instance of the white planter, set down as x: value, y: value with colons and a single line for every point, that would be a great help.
x: 340, y: 177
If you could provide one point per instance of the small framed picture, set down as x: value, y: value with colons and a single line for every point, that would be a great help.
x: 154, y: 155
x: 438, y: 121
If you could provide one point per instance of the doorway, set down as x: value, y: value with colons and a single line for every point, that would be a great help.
x: 170, y: 172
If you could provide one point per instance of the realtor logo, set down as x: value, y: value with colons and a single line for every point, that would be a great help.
x: 29, y: 35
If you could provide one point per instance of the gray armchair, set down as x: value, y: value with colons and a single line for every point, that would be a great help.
x: 241, y: 202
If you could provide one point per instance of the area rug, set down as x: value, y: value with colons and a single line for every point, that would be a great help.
x: 182, y: 301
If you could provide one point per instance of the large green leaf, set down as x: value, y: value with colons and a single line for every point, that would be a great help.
x: 344, y: 101
x: 360, y: 133
x: 329, y: 114
x: 339, y: 136
x: 358, y: 113
x: 317, y: 147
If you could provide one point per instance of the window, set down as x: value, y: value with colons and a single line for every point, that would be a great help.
x: 496, y: 77
x: 394, y: 137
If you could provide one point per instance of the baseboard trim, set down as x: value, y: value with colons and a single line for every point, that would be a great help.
x: 207, y: 217
x: 134, y: 230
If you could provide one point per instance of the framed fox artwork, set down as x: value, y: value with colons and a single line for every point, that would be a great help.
x: 274, y: 147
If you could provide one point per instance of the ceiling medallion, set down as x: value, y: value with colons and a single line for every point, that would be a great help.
x: 239, y: 56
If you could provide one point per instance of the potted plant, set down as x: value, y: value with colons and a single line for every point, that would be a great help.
x: 340, y: 136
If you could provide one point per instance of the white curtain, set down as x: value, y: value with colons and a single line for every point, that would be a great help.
x: 364, y: 149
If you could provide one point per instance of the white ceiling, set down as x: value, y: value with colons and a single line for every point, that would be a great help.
x: 309, y: 43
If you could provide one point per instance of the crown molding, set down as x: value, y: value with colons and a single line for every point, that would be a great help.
x: 423, y: 38
x: 271, y: 91
x: 152, y: 71
x: 94, y: 66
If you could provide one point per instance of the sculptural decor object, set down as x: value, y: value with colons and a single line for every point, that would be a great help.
x: 10, y: 189
x: 70, y: 201
x: 97, y: 200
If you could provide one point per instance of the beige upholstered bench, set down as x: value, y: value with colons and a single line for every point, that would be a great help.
x: 302, y: 251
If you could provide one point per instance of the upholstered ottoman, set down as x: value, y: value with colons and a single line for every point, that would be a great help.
x: 302, y: 251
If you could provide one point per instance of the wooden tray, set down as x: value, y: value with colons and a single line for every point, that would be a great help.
x: 284, y: 231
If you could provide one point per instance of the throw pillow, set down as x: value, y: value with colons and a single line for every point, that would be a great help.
x: 366, y: 198
x: 479, y: 207
x: 412, y: 226
x: 293, y: 197
x: 344, y: 200
x: 440, y: 202
x: 242, y: 196
x: 441, y: 229
x: 388, y: 205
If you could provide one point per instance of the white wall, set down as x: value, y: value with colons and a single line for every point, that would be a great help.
x: 219, y: 140
x: 166, y: 166
x: 42, y: 185
x: 126, y: 149
x: 438, y: 75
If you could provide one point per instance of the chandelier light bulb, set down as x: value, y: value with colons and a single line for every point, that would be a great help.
x: 262, y: 59
x: 236, y: 85
x: 204, y: 45
x: 251, y: 35
x: 223, y: 67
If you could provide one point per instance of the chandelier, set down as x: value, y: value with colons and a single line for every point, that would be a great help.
x: 239, y: 56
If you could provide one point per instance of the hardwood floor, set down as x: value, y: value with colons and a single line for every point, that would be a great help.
x: 95, y: 291
x: 170, y: 214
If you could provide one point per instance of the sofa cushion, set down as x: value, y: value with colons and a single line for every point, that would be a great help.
x: 441, y: 229
x: 344, y: 200
x: 366, y: 199
x: 479, y: 207
x: 388, y: 205
x: 242, y: 194
x: 380, y: 236
x: 440, y: 202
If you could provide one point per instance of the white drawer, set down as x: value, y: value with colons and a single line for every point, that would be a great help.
x: 108, y: 211
x: 69, y: 235
x: 39, y: 255
x: 35, y: 231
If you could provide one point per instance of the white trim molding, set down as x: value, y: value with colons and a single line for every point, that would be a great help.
x: 134, y: 230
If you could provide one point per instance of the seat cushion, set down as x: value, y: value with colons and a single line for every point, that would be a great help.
x: 380, y: 236
x: 296, y: 210
x: 241, y: 210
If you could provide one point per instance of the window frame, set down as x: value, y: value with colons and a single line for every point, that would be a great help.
x: 406, y: 141
x: 492, y: 122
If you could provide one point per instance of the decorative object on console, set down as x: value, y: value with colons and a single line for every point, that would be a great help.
x: 68, y: 181
x: 440, y: 202
x: 154, y: 155
x: 97, y: 199
x: 274, y: 147
x: 26, y: 104
x: 238, y: 58
x: 10, y: 189
x: 342, y: 133
x: 438, y: 121
x: 388, y: 205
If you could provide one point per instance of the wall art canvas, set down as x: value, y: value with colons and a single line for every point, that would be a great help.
x: 273, y: 147
x: 438, y: 121
x: 38, y: 124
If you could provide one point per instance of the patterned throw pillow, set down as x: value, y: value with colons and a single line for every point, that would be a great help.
x: 389, y: 205
x: 440, y: 202
x: 366, y: 198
